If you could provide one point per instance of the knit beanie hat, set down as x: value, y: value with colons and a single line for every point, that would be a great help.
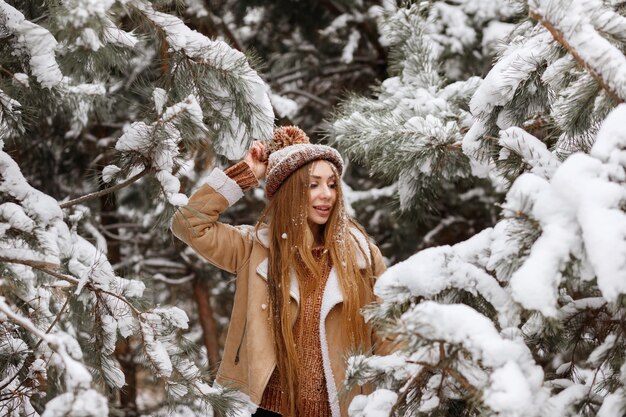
x: 288, y: 151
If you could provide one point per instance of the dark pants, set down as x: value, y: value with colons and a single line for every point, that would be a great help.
x: 264, y: 413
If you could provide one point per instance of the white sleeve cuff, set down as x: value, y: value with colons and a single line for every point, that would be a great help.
x: 224, y: 185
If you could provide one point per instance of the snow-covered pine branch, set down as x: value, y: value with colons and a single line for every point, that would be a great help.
x: 10, y: 116
x: 35, y: 43
x: 34, y: 233
x: 451, y: 351
x: 548, y: 276
x: 455, y: 30
x: 581, y: 217
x: 531, y: 150
x: 411, y: 131
x: 230, y: 92
x: 559, y: 76
x: 433, y: 271
x: 64, y: 353
x: 38, y: 248
x: 573, y: 24
x: 553, y: 266
x: 497, y: 104
x: 352, y: 197
x: 231, y: 103
x: 157, y: 144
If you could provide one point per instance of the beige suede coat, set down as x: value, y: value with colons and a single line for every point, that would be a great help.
x: 249, y: 357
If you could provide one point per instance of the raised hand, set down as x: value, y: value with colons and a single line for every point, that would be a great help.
x: 256, y: 160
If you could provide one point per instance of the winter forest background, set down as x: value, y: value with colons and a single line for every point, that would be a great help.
x: 487, y: 154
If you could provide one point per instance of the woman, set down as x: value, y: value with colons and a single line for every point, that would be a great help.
x: 303, y: 274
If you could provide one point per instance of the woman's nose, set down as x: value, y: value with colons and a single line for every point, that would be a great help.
x: 326, y: 192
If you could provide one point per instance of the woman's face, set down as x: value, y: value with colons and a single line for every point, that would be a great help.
x: 322, y: 192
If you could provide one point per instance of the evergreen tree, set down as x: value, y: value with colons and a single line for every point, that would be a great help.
x: 104, y: 108
x: 409, y: 133
x: 525, y: 318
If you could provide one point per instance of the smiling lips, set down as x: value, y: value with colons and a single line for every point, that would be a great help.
x: 323, y: 211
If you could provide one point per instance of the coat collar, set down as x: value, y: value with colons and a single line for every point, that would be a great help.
x: 294, y: 289
x: 332, y: 292
x: 263, y: 237
x: 363, y: 256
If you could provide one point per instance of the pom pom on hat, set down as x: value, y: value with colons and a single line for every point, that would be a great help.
x: 284, y: 136
x: 288, y: 151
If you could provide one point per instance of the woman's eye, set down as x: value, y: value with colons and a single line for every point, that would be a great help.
x: 313, y: 185
x: 332, y: 186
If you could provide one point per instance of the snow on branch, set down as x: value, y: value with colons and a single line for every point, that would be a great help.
x: 410, y: 132
x: 604, y: 221
x: 351, y: 196
x: 572, y: 24
x: 158, y: 142
x: 348, y: 50
x: 534, y: 152
x: 196, y: 8
x: 89, y: 278
x: 610, y: 146
x: 79, y: 399
x: 285, y: 107
x: 563, y: 222
x: 433, y: 270
x: 580, y: 214
x: 606, y: 20
x: 37, y: 42
x: 39, y: 215
x: 520, y: 59
x: 37, y: 45
x: 514, y: 387
x: 613, y: 404
x: 10, y: 116
x: 232, y: 140
x: 188, y: 106
x: 339, y: 22
x: 77, y: 376
x: 39, y: 208
x: 93, y: 20
x: 155, y: 350
x: 112, y: 34
x: 88, y: 403
x: 79, y: 12
x: 496, y: 102
x: 379, y: 403
x: 535, y: 283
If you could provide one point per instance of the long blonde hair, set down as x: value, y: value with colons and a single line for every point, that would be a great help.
x: 291, y: 239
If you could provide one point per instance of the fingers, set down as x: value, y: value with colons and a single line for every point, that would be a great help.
x: 259, y: 146
x: 262, y: 151
x: 257, y: 150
